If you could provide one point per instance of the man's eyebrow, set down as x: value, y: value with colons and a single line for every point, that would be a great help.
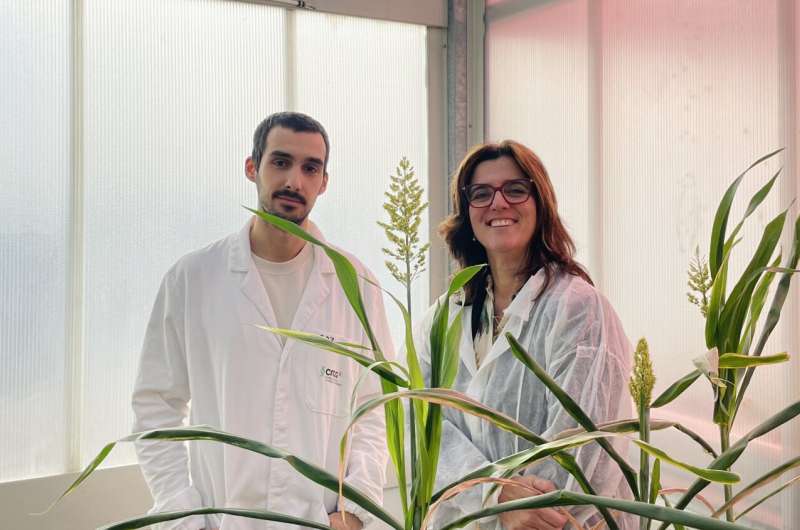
x: 289, y: 156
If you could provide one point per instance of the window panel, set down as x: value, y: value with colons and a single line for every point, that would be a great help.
x: 365, y: 81
x: 34, y: 254
x: 173, y: 92
x: 682, y: 97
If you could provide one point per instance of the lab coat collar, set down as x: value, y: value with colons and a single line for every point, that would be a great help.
x: 520, y: 306
x: 240, y: 258
x: 519, y: 312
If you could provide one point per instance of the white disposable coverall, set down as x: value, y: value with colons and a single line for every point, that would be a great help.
x: 574, y: 334
x: 201, y: 345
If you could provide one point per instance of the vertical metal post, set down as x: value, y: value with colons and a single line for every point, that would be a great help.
x: 787, y: 23
x: 74, y: 358
x: 438, y: 177
x: 595, y: 143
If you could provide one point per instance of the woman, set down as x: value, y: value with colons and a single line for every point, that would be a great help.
x: 505, y: 215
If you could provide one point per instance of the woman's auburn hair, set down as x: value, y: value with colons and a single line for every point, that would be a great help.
x: 551, y: 246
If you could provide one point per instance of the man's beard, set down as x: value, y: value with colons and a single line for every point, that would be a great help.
x: 296, y: 219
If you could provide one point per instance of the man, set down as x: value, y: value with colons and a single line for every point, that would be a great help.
x: 201, y: 345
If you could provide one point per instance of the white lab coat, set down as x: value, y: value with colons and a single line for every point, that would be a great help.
x: 201, y: 345
x: 573, y: 332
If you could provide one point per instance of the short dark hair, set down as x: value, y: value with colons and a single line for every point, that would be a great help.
x: 295, y: 121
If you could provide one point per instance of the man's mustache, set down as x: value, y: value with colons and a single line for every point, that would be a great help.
x: 289, y: 195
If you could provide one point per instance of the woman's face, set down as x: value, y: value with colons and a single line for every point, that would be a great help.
x: 501, y: 227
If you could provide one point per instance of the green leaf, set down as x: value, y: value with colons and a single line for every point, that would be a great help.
x: 570, y: 498
x: 717, y: 300
x: 141, y: 522
x: 733, y: 314
x: 452, y: 352
x: 668, y: 505
x: 676, y: 389
x: 712, y: 475
x: 632, y: 425
x: 655, y: 481
x: 756, y: 306
x: 345, y: 272
x: 738, y: 360
x: 467, y: 405
x: 768, y: 496
x: 182, y: 434
x: 761, y: 481
x: 573, y: 409
x: 755, y: 201
x: 723, y: 212
x: 774, y: 314
x: 732, y: 454
x: 463, y: 276
x: 338, y: 347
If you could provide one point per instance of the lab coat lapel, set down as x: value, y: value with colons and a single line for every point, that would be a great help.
x: 519, y: 311
x: 465, y: 345
x: 316, y: 291
x: 252, y: 288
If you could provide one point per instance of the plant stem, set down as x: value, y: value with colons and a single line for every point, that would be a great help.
x: 644, y: 459
x: 725, y: 442
x: 408, y: 278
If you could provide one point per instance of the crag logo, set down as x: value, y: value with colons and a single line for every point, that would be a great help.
x: 330, y: 375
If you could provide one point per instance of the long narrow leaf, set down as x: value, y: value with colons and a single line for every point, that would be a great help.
x: 712, y: 475
x: 768, y: 496
x: 668, y: 505
x: 462, y: 278
x: 452, y: 352
x: 182, y: 434
x: 632, y: 425
x: 756, y: 306
x: 738, y: 360
x: 141, y: 522
x: 441, y: 396
x: 349, y: 281
x: 733, y: 314
x: 318, y: 341
x: 716, y: 300
x: 345, y: 272
x: 774, y: 314
x: 412, y: 360
x: 573, y: 409
x: 755, y: 201
x: 512, y: 464
x: 570, y: 498
x: 723, y: 212
x: 761, y: 481
x: 676, y: 389
x: 655, y: 481
x: 732, y: 454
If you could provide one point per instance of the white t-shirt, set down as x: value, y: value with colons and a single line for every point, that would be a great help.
x: 285, y: 282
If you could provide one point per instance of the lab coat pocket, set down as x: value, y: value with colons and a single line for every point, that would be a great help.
x: 329, y: 381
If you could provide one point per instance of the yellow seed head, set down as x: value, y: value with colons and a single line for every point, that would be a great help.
x: 642, y: 380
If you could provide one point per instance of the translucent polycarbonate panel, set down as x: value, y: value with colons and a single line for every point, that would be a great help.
x: 365, y: 80
x: 691, y: 97
x: 668, y: 103
x: 537, y: 82
x: 173, y: 92
x: 34, y: 253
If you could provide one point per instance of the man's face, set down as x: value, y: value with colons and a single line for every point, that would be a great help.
x: 291, y: 174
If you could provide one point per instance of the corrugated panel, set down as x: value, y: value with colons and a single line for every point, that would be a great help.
x: 34, y: 216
